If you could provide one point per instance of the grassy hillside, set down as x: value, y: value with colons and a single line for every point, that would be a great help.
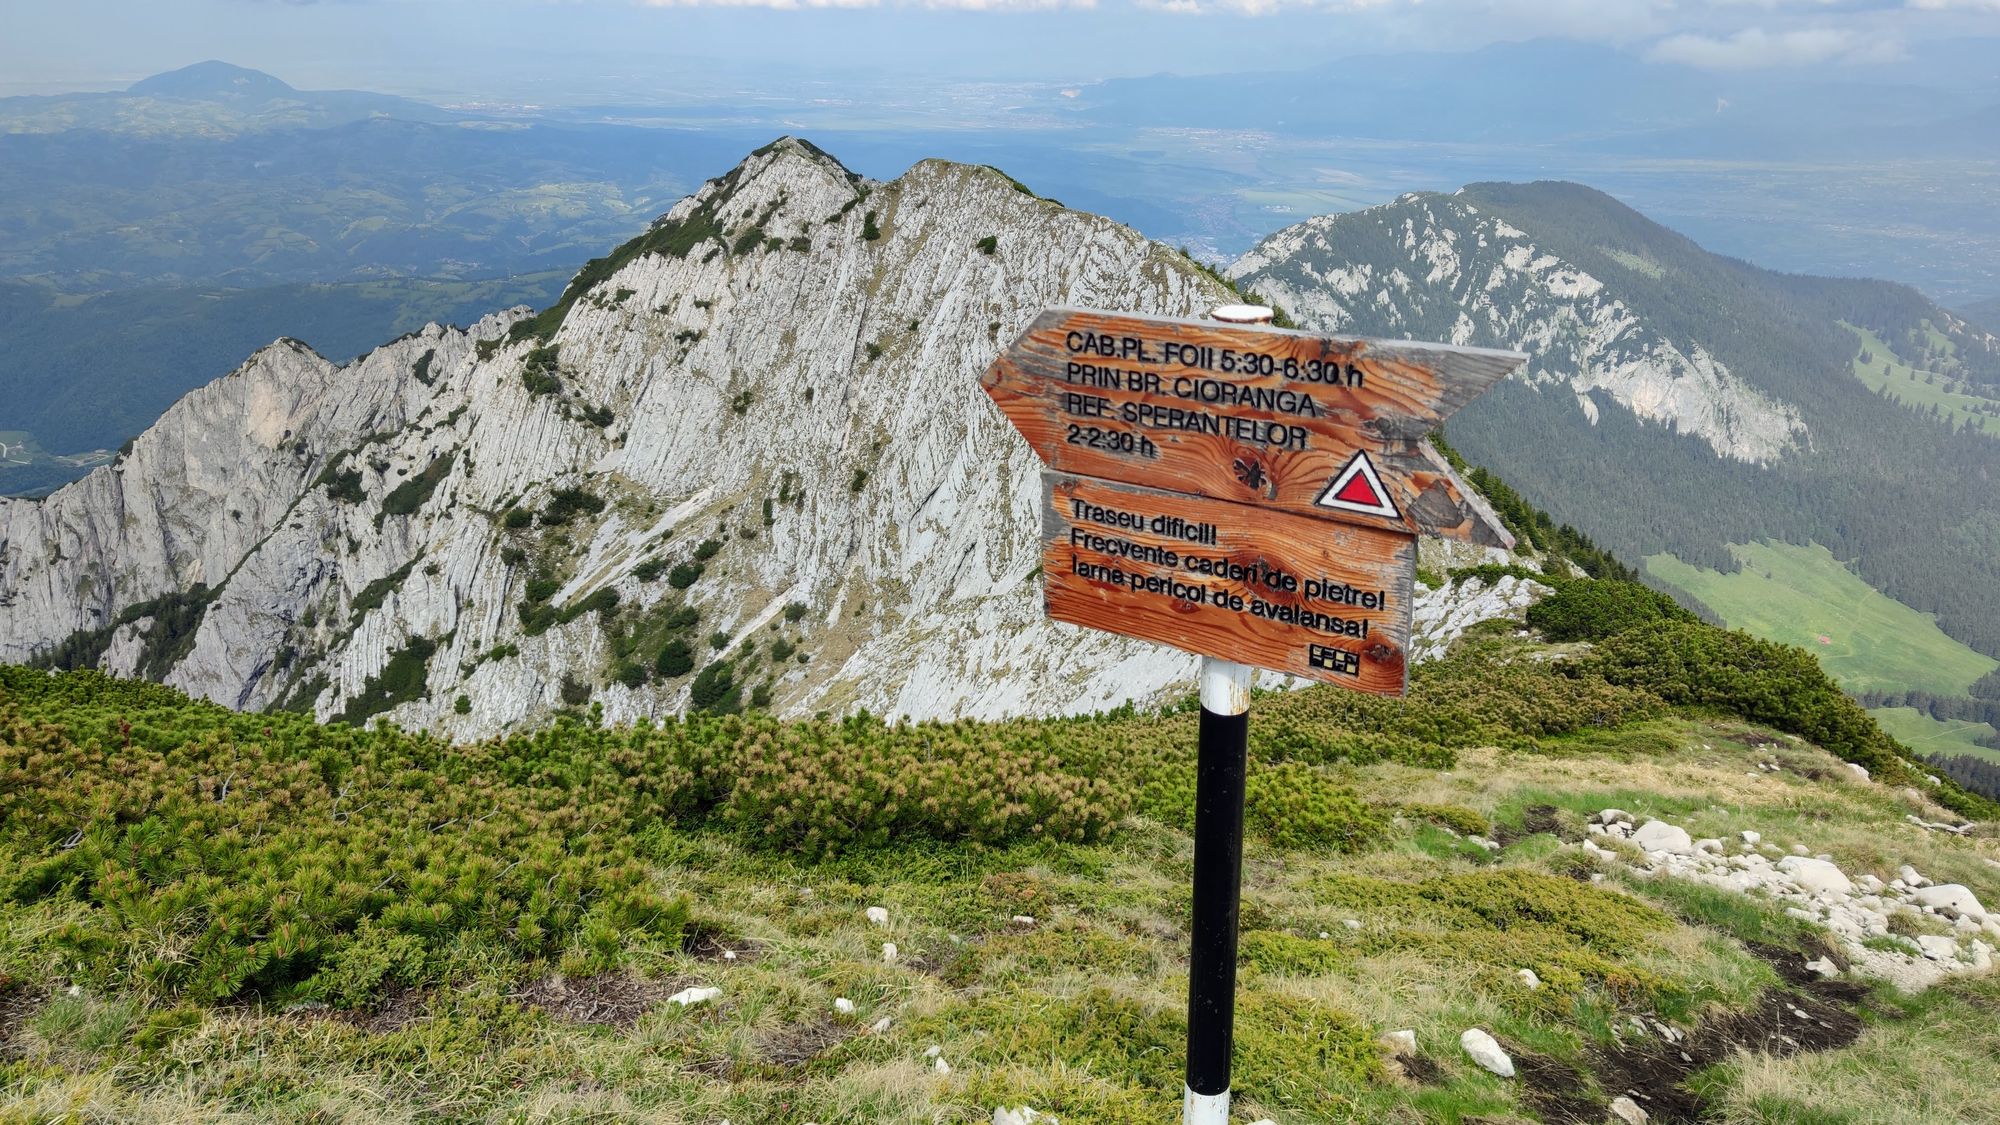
x: 1797, y: 595
x: 1869, y: 473
x: 1928, y: 736
x: 1920, y: 388
x: 208, y: 915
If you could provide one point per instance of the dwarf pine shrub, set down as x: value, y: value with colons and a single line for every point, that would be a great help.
x: 206, y: 853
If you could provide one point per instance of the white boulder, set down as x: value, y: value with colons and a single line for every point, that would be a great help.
x: 1486, y: 1051
x: 1659, y: 836
x: 689, y: 997
x: 1749, y: 837
x: 1400, y: 1042
x: 1628, y: 1111
x: 1937, y: 947
x: 1529, y: 978
x: 1860, y: 771
x: 878, y: 915
x: 1953, y: 897
x: 1816, y: 875
x: 843, y: 1005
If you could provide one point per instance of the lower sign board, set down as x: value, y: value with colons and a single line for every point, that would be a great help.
x: 1323, y: 600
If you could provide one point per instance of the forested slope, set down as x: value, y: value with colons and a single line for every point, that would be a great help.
x: 1639, y: 451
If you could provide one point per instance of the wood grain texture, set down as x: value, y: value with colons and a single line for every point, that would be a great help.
x: 1113, y: 560
x: 1215, y: 410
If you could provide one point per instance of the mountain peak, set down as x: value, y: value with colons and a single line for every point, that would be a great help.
x: 213, y: 79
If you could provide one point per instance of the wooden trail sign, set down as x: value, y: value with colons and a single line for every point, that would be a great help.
x: 1247, y: 493
x: 1323, y: 600
x: 1326, y: 426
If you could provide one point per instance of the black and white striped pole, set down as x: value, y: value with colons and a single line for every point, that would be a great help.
x: 1221, y: 764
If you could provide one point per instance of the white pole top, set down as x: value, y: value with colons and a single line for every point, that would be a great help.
x: 1242, y: 314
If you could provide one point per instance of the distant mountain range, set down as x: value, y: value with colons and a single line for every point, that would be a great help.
x: 1679, y: 401
x: 753, y: 434
x: 213, y: 98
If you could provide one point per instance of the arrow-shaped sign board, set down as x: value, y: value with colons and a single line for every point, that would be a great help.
x: 1326, y: 426
x: 1247, y: 493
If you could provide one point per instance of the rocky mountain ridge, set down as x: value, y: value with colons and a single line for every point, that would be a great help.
x: 1678, y: 401
x: 1413, y: 266
x: 765, y: 411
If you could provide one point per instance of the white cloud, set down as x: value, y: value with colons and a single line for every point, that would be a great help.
x: 1755, y: 48
x: 1956, y: 5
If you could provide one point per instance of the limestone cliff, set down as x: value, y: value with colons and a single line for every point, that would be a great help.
x: 765, y: 411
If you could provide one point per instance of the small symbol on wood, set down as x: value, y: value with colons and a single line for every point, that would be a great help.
x: 1250, y: 472
x: 1357, y: 488
x: 1336, y: 660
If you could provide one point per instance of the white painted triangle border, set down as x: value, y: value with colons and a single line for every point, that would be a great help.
x: 1358, y: 465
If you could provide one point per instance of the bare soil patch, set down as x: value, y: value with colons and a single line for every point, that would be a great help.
x: 705, y: 943
x: 608, y: 999
x: 17, y: 1004
x: 1807, y: 1014
x: 795, y: 1046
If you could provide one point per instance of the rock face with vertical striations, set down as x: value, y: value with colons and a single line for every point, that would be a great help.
x: 765, y: 411
x: 1438, y: 267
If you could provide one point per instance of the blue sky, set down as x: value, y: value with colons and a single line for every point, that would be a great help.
x: 579, y: 48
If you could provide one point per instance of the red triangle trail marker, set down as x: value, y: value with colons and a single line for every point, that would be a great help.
x: 1357, y: 488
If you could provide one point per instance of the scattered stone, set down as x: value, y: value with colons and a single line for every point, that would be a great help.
x: 1020, y: 1115
x: 878, y: 915
x: 1323, y: 934
x: 941, y: 1066
x: 1351, y: 923
x: 1628, y: 1111
x: 1485, y: 1050
x: 1824, y: 967
x: 1709, y: 845
x: 1529, y: 978
x: 1400, y: 1042
x: 689, y: 997
x: 1938, y: 948
x: 880, y: 1025
x: 1953, y: 897
x: 888, y: 952
x: 1024, y: 919
x: 1612, y: 816
x: 843, y: 1005
x: 1750, y: 838
x: 1800, y: 849
x: 1860, y: 771
x: 729, y: 955
x: 1659, y: 836
x: 1816, y: 875
x: 933, y: 1051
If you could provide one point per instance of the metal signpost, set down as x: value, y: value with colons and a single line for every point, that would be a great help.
x: 1252, y: 495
